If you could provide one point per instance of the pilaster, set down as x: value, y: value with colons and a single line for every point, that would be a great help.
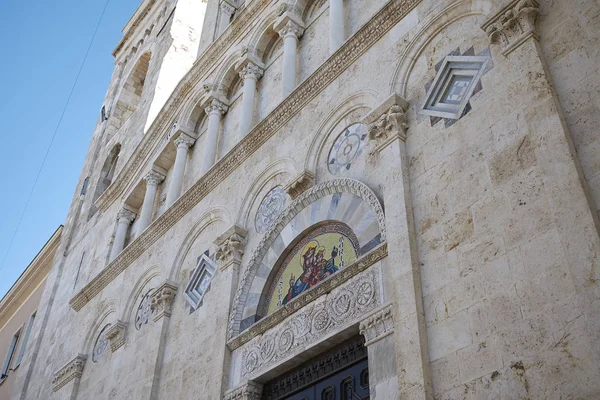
x: 230, y: 247
x: 513, y: 25
x: 248, y: 391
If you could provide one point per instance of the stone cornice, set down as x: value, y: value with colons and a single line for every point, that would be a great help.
x: 341, y: 60
x: 273, y: 319
x: 33, y: 275
x: 133, y: 23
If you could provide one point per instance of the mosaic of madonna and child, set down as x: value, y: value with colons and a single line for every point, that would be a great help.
x: 320, y: 254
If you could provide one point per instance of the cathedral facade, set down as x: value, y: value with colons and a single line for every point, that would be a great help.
x: 335, y: 199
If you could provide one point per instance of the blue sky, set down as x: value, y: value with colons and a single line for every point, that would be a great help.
x: 43, y: 45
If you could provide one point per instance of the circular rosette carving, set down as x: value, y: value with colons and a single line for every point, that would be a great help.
x: 251, y: 361
x: 321, y: 321
x: 286, y: 340
x: 342, y: 305
x: 365, y: 293
x: 301, y: 324
x: 267, y: 348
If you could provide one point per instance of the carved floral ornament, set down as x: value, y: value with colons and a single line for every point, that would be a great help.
x: 354, y: 47
x: 333, y: 312
x: 343, y: 185
x: 513, y: 25
x: 73, y: 370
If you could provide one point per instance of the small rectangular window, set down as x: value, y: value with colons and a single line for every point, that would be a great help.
x: 9, y: 355
x: 24, y: 341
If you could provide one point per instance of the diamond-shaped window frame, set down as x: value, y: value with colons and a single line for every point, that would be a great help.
x: 192, y: 293
x: 473, y: 66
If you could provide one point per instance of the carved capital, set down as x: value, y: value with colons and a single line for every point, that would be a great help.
x: 184, y: 141
x: 289, y: 24
x: 230, y: 246
x: 513, y: 25
x: 116, y: 335
x: 126, y: 216
x: 249, y: 391
x: 73, y: 370
x: 300, y: 184
x: 215, y: 106
x: 378, y: 325
x: 162, y: 300
x: 251, y: 71
x: 388, y: 122
x: 154, y: 178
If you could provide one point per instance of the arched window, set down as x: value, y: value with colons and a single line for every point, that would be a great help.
x: 131, y: 94
x: 106, y: 175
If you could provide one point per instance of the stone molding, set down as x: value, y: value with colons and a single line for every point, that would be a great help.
x: 306, y: 327
x: 388, y: 122
x: 513, y: 25
x: 343, y: 185
x: 325, y: 287
x: 351, y: 51
x: 230, y: 246
x: 116, y: 335
x: 300, y: 184
x: 73, y: 370
x: 378, y: 325
x: 162, y: 300
x: 154, y: 178
x: 248, y: 391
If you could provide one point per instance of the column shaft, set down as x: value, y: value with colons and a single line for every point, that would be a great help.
x: 183, y: 144
x: 124, y: 219
x: 225, y: 13
x: 248, y: 100
x: 209, y: 151
x: 336, y: 25
x: 290, y: 48
x: 147, y: 206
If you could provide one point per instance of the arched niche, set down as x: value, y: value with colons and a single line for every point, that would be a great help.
x: 344, y: 201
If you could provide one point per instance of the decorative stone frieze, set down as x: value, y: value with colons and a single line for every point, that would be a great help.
x: 388, y: 122
x: 230, y: 246
x: 73, y: 370
x: 513, y: 25
x: 353, y: 48
x: 300, y: 184
x: 279, y: 315
x: 162, y: 300
x: 116, y: 335
x: 307, y: 326
x: 248, y: 391
x: 377, y: 326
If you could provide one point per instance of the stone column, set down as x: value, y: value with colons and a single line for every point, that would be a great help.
x: 336, y: 25
x: 387, y: 127
x: 290, y: 28
x: 378, y: 331
x: 183, y: 143
x: 153, y: 179
x: 226, y: 10
x: 250, y: 72
x: 124, y: 219
x: 214, y: 108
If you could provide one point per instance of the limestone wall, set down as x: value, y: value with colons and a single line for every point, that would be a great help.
x: 505, y: 235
